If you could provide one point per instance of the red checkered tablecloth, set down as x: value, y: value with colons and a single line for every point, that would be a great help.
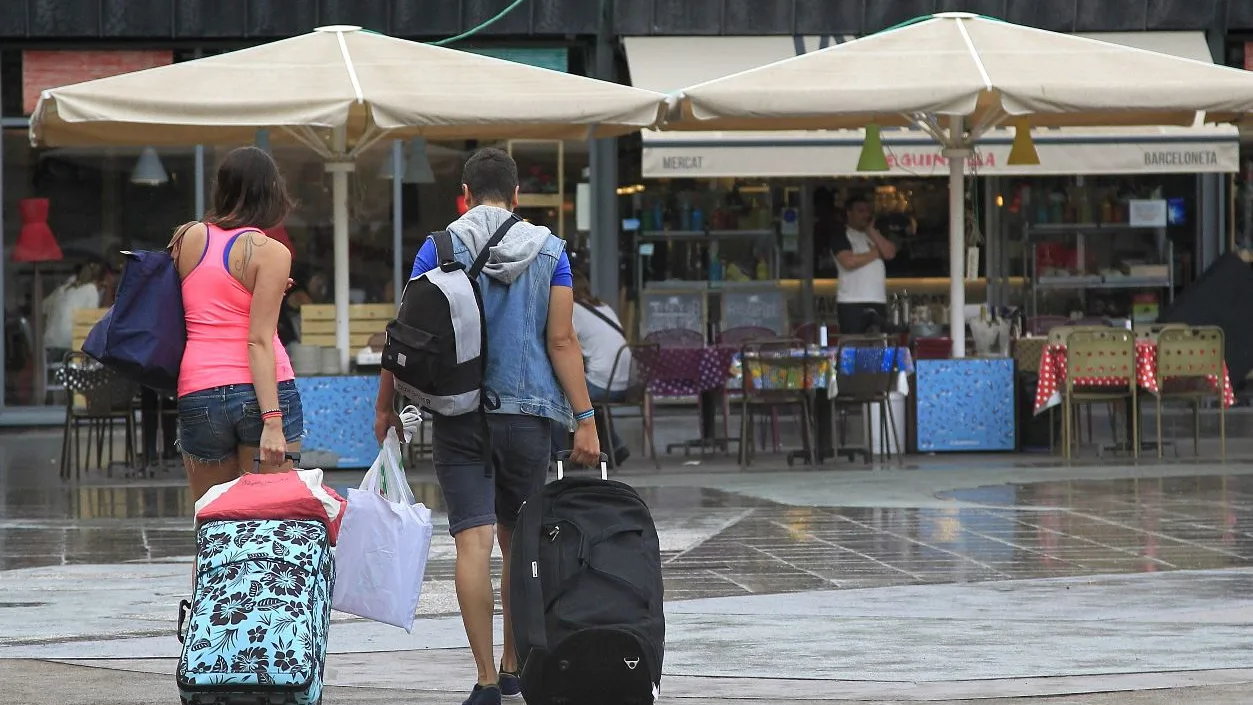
x: 1053, y: 375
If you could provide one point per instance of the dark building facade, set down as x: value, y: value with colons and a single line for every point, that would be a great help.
x: 197, y: 20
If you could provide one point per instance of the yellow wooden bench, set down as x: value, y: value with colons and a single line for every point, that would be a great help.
x: 317, y: 323
x: 84, y: 319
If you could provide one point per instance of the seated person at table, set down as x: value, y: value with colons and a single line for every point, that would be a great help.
x: 601, y: 337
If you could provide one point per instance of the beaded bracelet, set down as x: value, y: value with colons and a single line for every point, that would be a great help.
x: 272, y: 413
x: 585, y: 415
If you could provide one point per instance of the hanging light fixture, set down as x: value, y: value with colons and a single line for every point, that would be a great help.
x: 148, y: 170
x: 872, y: 156
x: 1023, y: 152
x: 417, y: 164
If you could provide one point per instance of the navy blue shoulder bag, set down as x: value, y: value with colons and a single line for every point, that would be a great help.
x: 143, y: 334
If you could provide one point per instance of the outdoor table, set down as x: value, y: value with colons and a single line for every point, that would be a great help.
x: 781, y: 370
x: 1053, y: 375
x: 700, y: 372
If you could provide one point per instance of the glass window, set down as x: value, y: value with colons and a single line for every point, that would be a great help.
x: 95, y: 209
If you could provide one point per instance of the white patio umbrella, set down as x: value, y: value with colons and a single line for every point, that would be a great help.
x: 338, y: 90
x: 957, y: 75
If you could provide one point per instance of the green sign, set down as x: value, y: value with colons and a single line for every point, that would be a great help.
x: 553, y: 59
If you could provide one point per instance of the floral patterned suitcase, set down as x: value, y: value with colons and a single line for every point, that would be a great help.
x: 257, y: 624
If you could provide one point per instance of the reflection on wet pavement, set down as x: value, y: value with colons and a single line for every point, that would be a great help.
x: 1050, y: 529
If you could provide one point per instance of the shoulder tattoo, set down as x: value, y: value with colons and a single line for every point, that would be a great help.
x: 251, y: 242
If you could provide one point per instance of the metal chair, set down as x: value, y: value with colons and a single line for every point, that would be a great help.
x: 108, y: 397
x: 1109, y: 354
x: 642, y: 359
x: 1057, y: 335
x: 676, y: 338
x: 808, y: 333
x: 756, y: 357
x: 1150, y: 331
x: 1186, y: 360
x: 744, y: 334
x: 738, y: 337
x: 865, y: 387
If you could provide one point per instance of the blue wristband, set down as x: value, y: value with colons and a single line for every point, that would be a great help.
x: 585, y: 415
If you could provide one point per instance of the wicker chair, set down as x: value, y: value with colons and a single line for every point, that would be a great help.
x: 108, y: 398
x: 1186, y: 359
x: 1106, y: 353
x: 642, y: 359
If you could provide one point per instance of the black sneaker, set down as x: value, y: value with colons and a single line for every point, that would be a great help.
x: 483, y: 695
x: 510, y: 685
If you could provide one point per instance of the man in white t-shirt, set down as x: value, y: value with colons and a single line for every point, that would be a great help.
x: 861, y: 298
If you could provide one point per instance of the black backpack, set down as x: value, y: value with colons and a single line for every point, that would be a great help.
x: 436, y: 347
x: 585, y: 593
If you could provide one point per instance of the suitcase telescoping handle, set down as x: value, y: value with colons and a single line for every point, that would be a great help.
x: 256, y: 461
x: 564, y: 456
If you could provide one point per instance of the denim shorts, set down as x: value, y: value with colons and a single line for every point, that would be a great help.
x: 212, y: 423
x: 485, y: 485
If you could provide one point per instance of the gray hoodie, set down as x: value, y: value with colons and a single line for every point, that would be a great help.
x: 513, y: 255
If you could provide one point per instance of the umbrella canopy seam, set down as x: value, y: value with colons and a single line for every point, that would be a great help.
x: 974, y: 55
x: 352, y: 71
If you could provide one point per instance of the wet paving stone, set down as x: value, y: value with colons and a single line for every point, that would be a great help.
x: 1051, y: 529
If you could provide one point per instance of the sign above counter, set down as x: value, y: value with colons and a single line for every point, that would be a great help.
x: 1127, y: 150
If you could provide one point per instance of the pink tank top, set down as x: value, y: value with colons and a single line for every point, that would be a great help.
x: 217, y: 308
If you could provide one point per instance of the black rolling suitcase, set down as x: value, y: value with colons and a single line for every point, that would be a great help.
x: 585, y: 593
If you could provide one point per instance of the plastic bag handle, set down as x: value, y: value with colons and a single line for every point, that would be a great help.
x: 564, y: 455
x: 387, y: 476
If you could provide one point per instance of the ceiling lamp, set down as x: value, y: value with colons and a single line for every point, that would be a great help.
x: 148, y: 170
x: 1023, y: 152
x: 872, y: 155
x: 417, y: 164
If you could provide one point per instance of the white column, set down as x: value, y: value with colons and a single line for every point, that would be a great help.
x: 339, y: 199
x: 957, y: 235
x: 398, y: 171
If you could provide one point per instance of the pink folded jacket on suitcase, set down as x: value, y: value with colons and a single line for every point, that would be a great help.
x: 285, y: 495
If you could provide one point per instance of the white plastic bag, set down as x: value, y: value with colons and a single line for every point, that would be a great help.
x: 383, y: 545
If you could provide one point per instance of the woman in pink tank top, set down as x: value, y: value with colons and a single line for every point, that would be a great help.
x: 236, y: 389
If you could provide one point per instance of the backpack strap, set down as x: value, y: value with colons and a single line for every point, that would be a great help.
x: 481, y: 261
x: 443, y: 247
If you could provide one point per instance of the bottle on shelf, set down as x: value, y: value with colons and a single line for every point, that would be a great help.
x: 822, y: 335
x: 716, y: 269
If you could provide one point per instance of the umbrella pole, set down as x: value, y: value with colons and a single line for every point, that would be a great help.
x: 956, y: 155
x: 37, y: 332
x: 339, y: 168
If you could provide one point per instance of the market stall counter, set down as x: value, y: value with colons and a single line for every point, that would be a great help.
x: 339, y: 408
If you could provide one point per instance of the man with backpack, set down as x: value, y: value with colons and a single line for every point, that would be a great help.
x: 488, y: 464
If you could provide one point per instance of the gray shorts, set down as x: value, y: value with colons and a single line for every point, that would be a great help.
x: 518, y: 458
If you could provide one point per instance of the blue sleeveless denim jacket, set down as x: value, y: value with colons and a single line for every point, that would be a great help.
x: 519, y: 371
